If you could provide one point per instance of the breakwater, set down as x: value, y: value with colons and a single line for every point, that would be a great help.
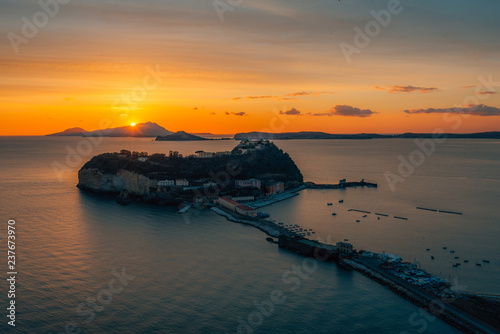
x: 428, y: 302
x: 341, y: 185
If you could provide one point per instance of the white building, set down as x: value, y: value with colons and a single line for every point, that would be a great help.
x: 181, y: 183
x: 166, y: 183
x: 252, y: 183
x: 142, y: 159
x: 344, y: 247
x: 202, y: 154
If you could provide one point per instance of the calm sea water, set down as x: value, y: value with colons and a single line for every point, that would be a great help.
x: 198, y: 273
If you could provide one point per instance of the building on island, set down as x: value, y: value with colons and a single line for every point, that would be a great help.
x: 142, y: 159
x: 181, y: 183
x: 275, y: 188
x: 203, y: 154
x: 243, y: 198
x: 237, y: 207
x: 166, y: 183
x: 173, y: 183
x: 342, y: 183
x: 344, y: 247
x: 252, y: 183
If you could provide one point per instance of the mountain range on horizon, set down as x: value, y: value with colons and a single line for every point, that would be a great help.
x: 150, y: 129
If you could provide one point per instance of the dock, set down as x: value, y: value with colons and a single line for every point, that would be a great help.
x: 341, y: 185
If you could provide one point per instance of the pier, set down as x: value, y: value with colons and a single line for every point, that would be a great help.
x: 341, y: 185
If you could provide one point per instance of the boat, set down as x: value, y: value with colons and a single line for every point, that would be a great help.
x: 456, y: 257
x: 378, y: 218
x: 432, y: 257
x: 185, y: 208
x: 428, y: 249
x: 334, y: 214
x: 271, y: 240
x: 486, y: 261
x: 478, y: 264
x: 445, y: 247
x: 346, y: 239
x: 365, y: 216
x: 357, y: 220
x: 329, y: 203
x: 341, y: 201
x: 466, y: 261
x: 452, y: 251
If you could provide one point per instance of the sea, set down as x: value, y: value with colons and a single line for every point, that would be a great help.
x: 85, y: 264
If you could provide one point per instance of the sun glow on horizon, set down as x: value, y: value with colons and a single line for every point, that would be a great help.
x: 132, y: 124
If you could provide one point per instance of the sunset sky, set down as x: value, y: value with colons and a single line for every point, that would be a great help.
x: 259, y: 65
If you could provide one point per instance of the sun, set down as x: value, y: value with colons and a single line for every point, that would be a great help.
x: 132, y: 124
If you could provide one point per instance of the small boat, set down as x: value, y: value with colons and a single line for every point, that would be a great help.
x: 478, y: 264
x: 452, y: 251
x: 445, y: 247
x: 486, y: 261
x: 432, y: 257
x: 365, y: 216
x: 466, y: 261
x: 341, y: 201
x: 329, y: 203
x: 346, y: 239
x: 271, y: 240
x: 357, y: 220
x: 378, y: 218
x: 428, y: 249
x: 334, y: 214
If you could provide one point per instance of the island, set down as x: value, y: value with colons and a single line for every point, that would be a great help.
x: 324, y: 135
x: 253, y: 169
x: 180, y: 136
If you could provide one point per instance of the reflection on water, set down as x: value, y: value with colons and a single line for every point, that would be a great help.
x: 200, y: 275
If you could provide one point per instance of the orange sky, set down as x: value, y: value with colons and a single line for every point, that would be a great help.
x: 95, y: 61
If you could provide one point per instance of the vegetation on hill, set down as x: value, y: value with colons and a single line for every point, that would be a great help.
x: 267, y: 163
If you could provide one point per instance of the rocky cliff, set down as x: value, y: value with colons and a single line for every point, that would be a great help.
x: 135, y: 184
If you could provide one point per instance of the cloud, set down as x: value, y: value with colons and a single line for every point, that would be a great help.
x: 308, y: 93
x: 471, y: 109
x: 292, y: 111
x: 261, y: 97
x: 289, y: 96
x: 487, y: 93
x: 344, y: 110
x: 408, y: 89
x: 195, y: 108
x: 241, y: 113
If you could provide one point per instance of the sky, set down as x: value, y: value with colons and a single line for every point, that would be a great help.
x: 227, y: 66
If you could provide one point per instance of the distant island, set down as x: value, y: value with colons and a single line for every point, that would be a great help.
x: 147, y: 129
x: 324, y: 135
x: 256, y: 169
x: 180, y: 136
